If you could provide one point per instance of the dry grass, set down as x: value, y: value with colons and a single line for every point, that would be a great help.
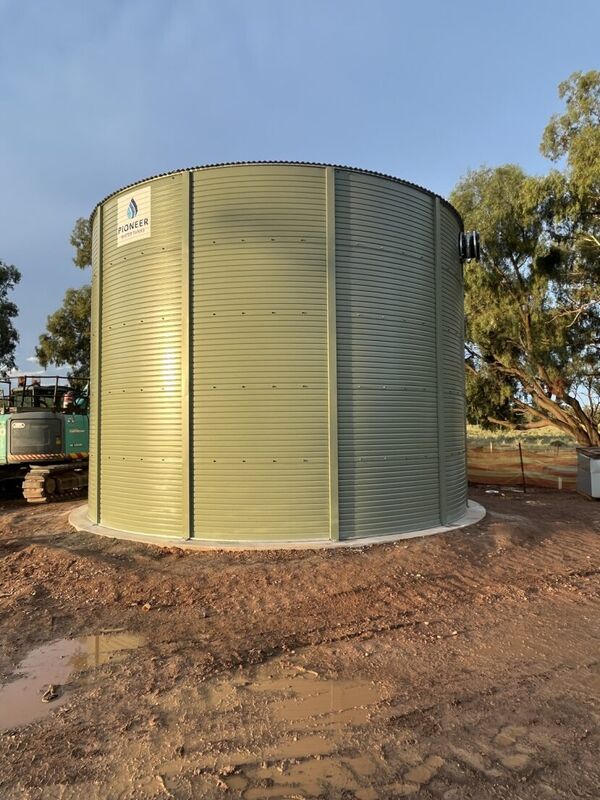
x: 539, y: 437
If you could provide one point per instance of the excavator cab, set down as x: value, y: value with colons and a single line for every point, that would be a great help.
x: 25, y: 392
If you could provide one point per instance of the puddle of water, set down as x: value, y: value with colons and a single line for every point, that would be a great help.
x: 21, y: 699
x: 237, y: 782
x: 302, y: 746
x: 340, y: 702
x: 308, y: 777
x: 308, y: 698
x: 313, y: 717
x: 305, y: 734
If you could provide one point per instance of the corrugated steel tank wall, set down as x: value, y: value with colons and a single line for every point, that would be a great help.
x: 140, y: 410
x: 280, y: 360
x: 260, y: 354
x: 93, y: 498
x: 386, y: 320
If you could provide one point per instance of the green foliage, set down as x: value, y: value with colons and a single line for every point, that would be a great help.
x: 575, y: 134
x: 575, y: 137
x: 9, y: 278
x: 67, y: 337
x: 67, y: 340
x: 81, y: 239
x: 488, y: 396
x: 533, y: 303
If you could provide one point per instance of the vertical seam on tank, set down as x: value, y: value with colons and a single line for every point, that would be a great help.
x: 464, y: 387
x: 334, y: 513
x: 98, y: 365
x: 439, y: 343
x: 190, y: 364
x: 186, y: 374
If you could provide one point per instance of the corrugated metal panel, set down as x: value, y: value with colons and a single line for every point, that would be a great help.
x: 141, y: 414
x: 454, y: 368
x: 93, y: 495
x: 388, y: 455
x: 236, y: 164
x: 270, y: 294
x: 260, y: 418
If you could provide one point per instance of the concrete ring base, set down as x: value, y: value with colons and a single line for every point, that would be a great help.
x: 79, y: 520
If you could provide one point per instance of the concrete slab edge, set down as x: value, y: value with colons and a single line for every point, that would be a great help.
x: 79, y: 520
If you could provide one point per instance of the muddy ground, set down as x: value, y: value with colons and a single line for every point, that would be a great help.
x: 464, y: 665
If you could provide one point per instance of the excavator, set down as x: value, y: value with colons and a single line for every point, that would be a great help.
x: 44, y: 433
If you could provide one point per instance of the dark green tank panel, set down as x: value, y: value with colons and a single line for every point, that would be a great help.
x: 387, y: 411
x: 452, y: 379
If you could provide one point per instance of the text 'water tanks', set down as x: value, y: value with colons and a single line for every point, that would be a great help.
x: 277, y: 356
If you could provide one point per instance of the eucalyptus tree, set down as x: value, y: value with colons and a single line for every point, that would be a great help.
x: 9, y: 337
x: 533, y: 303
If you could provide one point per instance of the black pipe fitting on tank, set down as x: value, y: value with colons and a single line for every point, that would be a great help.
x: 468, y: 246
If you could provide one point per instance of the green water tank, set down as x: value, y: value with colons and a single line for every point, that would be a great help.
x: 277, y: 356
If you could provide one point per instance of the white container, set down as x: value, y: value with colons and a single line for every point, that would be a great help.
x: 588, y: 471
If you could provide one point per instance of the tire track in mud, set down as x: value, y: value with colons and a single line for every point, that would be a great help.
x: 393, y: 594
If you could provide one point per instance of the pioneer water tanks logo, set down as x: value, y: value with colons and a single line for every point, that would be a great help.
x: 134, y: 215
x: 132, y: 209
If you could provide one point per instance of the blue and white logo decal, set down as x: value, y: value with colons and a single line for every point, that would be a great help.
x: 133, y: 216
x: 132, y: 208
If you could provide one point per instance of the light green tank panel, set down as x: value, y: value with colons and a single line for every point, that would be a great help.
x: 259, y: 350
x: 94, y: 388
x: 136, y: 378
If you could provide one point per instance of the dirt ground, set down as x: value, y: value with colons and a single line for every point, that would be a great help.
x: 464, y: 665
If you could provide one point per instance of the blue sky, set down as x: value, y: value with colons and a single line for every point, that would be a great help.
x: 96, y: 95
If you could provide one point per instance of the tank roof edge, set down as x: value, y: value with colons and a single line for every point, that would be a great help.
x: 280, y: 163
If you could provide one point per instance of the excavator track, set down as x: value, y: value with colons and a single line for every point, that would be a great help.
x: 43, y: 484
